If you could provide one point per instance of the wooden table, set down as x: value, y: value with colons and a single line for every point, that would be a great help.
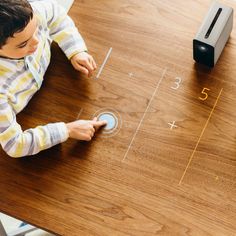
x: 171, y: 168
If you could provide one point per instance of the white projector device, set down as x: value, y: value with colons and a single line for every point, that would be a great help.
x: 213, y: 34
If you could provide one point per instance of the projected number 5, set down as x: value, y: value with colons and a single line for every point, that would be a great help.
x: 204, y: 94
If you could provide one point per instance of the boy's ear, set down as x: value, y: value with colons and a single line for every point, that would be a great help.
x: 1, y: 48
x: 1, y: 52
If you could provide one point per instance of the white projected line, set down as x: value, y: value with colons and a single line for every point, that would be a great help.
x: 153, y: 95
x: 104, y: 63
x: 80, y: 112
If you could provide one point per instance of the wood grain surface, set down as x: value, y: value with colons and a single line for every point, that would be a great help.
x: 148, y: 178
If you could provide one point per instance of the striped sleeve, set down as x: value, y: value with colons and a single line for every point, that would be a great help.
x: 17, y: 143
x: 62, y: 29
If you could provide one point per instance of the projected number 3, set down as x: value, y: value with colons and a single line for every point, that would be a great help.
x: 177, y: 83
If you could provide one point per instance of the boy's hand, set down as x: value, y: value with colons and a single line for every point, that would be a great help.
x: 84, y: 63
x: 84, y: 129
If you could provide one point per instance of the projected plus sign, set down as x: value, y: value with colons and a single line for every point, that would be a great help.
x: 131, y: 74
x: 172, y: 125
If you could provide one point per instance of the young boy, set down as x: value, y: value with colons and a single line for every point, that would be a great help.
x: 26, y: 32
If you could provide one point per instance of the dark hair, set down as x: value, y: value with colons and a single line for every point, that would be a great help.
x: 14, y: 17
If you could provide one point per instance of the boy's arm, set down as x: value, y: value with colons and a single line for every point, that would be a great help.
x: 17, y: 143
x: 63, y: 30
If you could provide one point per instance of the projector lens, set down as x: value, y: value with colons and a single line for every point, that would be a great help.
x: 202, y: 48
x: 203, y: 53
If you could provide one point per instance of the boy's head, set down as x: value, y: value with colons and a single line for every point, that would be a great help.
x: 18, y: 29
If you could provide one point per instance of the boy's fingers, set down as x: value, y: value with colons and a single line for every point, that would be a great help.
x: 93, y: 63
x: 98, y: 124
x: 88, y: 65
x: 81, y: 69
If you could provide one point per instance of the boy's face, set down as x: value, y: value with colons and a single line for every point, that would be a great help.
x: 23, y: 43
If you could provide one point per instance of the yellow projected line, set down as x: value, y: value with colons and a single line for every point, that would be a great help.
x: 190, y: 159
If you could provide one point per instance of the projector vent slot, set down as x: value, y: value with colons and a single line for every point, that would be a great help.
x: 213, y: 23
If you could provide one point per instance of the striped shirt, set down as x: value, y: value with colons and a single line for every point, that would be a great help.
x: 20, y: 79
